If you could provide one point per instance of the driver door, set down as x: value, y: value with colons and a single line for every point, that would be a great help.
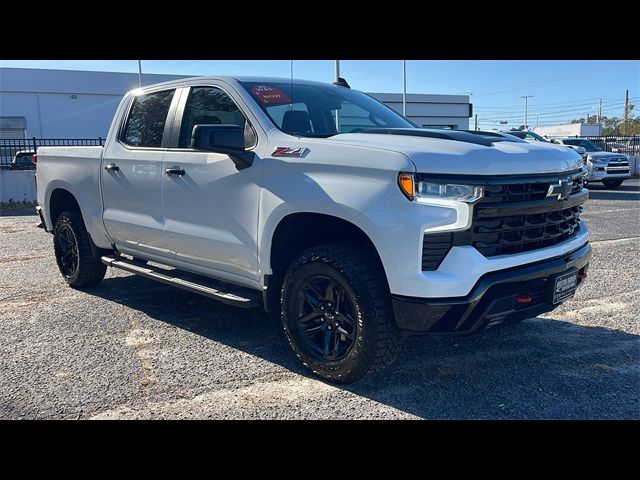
x: 211, y: 210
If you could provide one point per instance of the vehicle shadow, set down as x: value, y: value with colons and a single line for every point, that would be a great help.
x: 541, y: 368
x: 623, y: 192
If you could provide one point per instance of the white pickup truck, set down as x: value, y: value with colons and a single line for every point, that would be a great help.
x: 325, y: 207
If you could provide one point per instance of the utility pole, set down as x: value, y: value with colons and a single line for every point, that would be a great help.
x: 140, y: 73
x: 404, y: 88
x: 526, y: 105
x: 476, y: 122
x: 600, y: 111
x: 626, y: 111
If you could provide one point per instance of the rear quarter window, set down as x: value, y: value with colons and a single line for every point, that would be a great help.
x: 147, y: 119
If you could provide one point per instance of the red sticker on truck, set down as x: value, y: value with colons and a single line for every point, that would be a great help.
x: 270, y: 95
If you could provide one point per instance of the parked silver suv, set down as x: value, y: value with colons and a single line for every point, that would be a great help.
x: 607, y: 167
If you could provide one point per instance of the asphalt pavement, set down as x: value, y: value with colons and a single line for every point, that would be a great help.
x: 132, y: 348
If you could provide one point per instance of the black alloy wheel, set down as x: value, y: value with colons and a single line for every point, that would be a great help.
x: 325, y: 318
x: 68, y: 251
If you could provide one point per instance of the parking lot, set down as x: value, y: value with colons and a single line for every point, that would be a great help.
x: 132, y: 348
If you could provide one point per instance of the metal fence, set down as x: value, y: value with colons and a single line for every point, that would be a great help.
x: 629, y: 145
x: 9, y: 146
x: 17, y: 182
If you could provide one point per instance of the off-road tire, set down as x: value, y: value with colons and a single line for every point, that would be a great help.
x: 90, y: 271
x: 377, y: 340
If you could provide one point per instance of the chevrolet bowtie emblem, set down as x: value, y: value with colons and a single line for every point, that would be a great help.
x: 561, y: 190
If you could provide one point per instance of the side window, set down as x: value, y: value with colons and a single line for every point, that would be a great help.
x: 147, y: 118
x: 210, y: 105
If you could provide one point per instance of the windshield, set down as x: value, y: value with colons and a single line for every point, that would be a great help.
x: 529, y: 136
x: 581, y: 142
x: 537, y: 137
x: 309, y: 110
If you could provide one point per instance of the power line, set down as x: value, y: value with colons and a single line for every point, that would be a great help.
x: 556, y: 113
x: 543, y: 82
x: 585, y: 101
x: 576, y: 107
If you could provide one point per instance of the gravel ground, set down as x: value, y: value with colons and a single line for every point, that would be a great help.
x: 133, y: 348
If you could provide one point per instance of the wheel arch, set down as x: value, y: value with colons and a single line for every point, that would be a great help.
x: 60, y: 200
x: 295, y: 233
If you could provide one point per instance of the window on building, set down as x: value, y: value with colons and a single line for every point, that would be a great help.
x: 211, y: 105
x: 147, y: 119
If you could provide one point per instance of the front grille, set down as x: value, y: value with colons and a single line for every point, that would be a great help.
x: 522, y: 192
x: 538, y: 222
x: 522, y: 233
x: 618, y: 165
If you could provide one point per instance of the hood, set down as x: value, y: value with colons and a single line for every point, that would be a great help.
x: 448, y: 156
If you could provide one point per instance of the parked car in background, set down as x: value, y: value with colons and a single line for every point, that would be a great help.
x: 533, y: 137
x: 22, y: 160
x: 607, y: 167
x: 527, y: 136
x: 631, y: 145
x: 616, y: 147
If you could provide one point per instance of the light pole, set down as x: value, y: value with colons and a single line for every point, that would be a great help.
x: 337, y: 65
x: 537, y: 120
x: 404, y: 88
x: 526, y: 104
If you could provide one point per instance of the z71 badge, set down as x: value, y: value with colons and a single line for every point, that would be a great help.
x: 289, y: 152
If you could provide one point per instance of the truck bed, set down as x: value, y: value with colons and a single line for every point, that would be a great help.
x: 77, y: 170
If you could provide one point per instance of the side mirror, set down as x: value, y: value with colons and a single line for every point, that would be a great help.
x: 221, y: 138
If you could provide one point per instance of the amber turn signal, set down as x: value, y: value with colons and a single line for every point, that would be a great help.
x: 405, y: 181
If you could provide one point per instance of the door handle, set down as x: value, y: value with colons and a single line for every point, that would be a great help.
x: 112, y: 167
x: 175, y: 171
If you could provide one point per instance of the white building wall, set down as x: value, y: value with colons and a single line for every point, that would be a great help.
x: 20, y: 104
x: 86, y: 116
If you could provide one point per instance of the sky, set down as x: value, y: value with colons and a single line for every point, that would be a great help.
x: 561, y: 90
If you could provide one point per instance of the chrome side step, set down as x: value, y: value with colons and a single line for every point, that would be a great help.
x: 227, y: 293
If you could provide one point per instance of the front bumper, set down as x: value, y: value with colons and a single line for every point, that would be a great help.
x: 492, y: 300
x: 599, y: 175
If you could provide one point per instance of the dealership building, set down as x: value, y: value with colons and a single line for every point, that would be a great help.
x: 80, y: 104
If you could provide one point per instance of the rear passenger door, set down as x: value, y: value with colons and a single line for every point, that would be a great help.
x: 211, y: 208
x: 132, y: 174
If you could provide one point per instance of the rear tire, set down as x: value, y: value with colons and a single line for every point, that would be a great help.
x: 72, y: 247
x: 612, y: 183
x: 350, y: 330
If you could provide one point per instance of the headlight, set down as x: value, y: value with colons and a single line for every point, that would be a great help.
x: 426, y: 192
x: 596, y: 159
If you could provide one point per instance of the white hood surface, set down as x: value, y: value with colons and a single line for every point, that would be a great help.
x: 444, y: 156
